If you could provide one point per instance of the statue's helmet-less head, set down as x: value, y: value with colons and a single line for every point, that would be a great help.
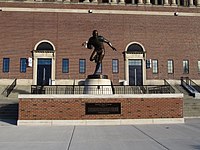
x: 95, y: 33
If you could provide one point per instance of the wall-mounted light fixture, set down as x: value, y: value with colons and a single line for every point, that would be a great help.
x: 89, y: 11
x: 176, y: 14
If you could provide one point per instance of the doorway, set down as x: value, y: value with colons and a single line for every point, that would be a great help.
x: 135, y: 72
x: 135, y: 64
x: 44, y: 71
x: 44, y: 63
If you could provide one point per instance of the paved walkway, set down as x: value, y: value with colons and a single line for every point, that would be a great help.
x: 131, y: 137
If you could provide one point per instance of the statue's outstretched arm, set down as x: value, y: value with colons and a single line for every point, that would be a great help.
x: 110, y: 44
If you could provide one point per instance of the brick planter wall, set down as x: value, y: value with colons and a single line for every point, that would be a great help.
x: 74, y: 108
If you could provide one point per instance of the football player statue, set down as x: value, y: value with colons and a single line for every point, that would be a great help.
x: 96, y: 42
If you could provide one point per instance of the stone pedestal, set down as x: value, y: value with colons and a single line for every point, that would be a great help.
x: 98, y: 84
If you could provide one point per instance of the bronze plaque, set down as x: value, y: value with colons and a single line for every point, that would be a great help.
x: 102, y: 108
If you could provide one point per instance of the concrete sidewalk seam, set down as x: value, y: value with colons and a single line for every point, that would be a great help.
x: 71, y: 138
x: 151, y: 138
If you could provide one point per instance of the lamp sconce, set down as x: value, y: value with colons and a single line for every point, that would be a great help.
x: 176, y: 14
x: 90, y: 11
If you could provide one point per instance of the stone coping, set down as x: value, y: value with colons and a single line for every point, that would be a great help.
x: 100, y: 122
x: 99, y: 11
x: 66, y: 96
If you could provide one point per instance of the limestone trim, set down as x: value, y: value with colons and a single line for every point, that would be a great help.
x: 112, y: 96
x: 154, y: 13
x: 35, y: 48
x: 100, y: 122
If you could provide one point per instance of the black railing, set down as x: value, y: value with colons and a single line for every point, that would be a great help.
x: 101, y: 89
x: 185, y: 82
x: 171, y: 89
x: 196, y: 86
x: 9, y: 88
x: 190, y: 85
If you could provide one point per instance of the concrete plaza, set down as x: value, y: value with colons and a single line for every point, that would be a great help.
x: 131, y: 137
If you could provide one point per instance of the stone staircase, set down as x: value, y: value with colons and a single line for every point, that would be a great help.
x: 191, y: 105
x: 9, y: 105
x: 191, y: 108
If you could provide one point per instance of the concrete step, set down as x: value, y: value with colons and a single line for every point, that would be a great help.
x: 180, y: 89
x: 13, y: 97
x: 176, y: 89
x: 2, y: 89
x: 20, y: 89
x: 191, y: 114
x: 191, y: 107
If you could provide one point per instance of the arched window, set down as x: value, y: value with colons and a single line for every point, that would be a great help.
x: 135, y: 48
x: 45, y: 46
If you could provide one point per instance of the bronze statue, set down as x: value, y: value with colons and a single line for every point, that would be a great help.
x: 97, y: 55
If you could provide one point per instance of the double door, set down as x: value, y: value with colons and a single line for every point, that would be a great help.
x: 135, y: 72
x: 44, y: 71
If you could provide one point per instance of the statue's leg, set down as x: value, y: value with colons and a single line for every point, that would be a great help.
x: 92, y: 57
x: 98, y: 60
x: 101, y: 57
x: 97, y: 67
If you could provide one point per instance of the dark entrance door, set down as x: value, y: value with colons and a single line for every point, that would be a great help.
x: 135, y: 72
x: 44, y: 71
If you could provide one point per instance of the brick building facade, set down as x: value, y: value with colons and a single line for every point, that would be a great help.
x: 153, y: 42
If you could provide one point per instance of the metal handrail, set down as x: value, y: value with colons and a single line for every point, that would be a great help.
x: 194, y: 85
x: 172, y: 90
x: 9, y: 88
x: 101, y: 89
x: 185, y: 81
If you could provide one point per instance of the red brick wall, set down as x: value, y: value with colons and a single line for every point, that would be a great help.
x: 74, y: 108
x: 163, y: 37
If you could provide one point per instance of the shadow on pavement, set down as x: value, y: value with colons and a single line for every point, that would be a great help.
x: 8, y: 114
x: 4, y: 122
